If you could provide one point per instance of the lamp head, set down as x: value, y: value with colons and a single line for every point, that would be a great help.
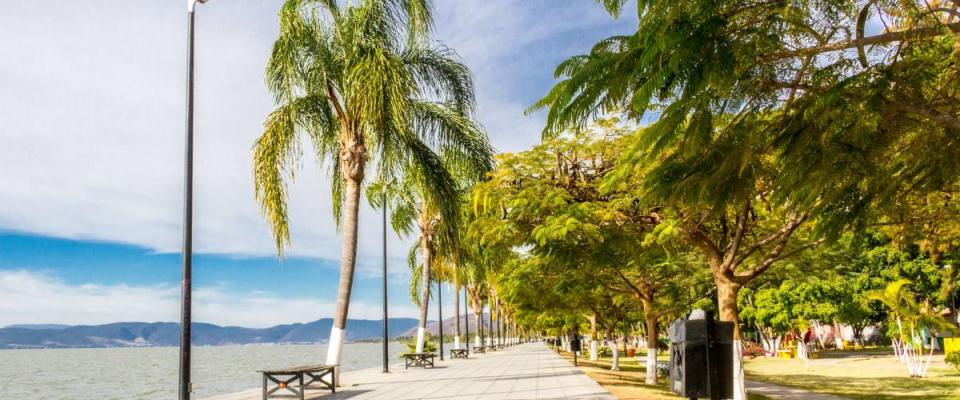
x: 191, y: 4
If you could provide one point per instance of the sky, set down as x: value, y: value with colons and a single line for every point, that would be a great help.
x: 92, y: 107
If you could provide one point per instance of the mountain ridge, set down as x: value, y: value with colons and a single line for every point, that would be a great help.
x: 160, y: 334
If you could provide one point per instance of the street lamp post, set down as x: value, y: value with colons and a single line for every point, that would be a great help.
x: 187, y: 274
x: 386, y: 338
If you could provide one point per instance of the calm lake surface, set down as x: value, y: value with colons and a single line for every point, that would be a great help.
x: 151, y: 373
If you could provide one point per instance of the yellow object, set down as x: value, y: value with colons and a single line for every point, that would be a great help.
x: 951, y: 344
x: 787, y: 354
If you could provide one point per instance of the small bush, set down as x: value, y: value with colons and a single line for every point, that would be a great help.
x: 663, y: 343
x: 953, y: 358
x: 428, y: 344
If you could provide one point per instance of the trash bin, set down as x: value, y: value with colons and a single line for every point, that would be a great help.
x: 701, y: 358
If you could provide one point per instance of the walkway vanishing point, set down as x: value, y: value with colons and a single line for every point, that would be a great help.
x: 527, y: 371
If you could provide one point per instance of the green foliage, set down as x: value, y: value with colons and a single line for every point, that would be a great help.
x: 856, y: 132
x: 429, y: 346
x: 361, y: 83
x: 910, y: 315
x: 589, y: 248
x: 791, y: 306
x: 953, y: 359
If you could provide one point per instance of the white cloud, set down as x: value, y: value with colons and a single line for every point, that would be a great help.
x: 35, y: 298
x: 92, y: 124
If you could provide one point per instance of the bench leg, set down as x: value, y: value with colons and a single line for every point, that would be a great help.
x: 264, y: 386
x: 302, y: 389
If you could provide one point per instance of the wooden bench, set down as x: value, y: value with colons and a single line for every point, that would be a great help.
x: 418, y: 360
x: 479, y: 350
x: 292, y: 380
x: 458, y: 353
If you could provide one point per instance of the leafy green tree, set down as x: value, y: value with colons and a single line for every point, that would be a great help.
x: 792, y: 305
x: 360, y: 81
x: 549, y: 201
x: 862, y: 118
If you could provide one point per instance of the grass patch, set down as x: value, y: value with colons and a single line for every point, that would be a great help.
x: 858, y: 375
x: 629, y: 382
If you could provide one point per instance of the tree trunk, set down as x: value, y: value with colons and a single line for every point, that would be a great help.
x: 727, y: 302
x: 456, y: 313
x: 348, y: 257
x: 615, y: 363
x: 425, y: 250
x: 594, y: 344
x: 650, y: 317
x: 478, y: 313
x: 490, y: 324
x: 499, y: 324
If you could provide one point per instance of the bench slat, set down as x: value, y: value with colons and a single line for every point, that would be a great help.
x: 299, y: 369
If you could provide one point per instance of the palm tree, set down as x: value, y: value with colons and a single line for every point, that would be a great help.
x: 905, y: 310
x: 363, y: 85
x: 440, y: 234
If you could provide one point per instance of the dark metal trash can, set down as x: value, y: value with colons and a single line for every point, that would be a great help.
x: 701, y: 358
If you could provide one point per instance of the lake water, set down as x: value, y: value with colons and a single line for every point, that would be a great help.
x: 151, y: 373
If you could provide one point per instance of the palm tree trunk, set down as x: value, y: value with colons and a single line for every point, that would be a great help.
x: 490, y: 323
x: 478, y: 313
x: 424, y: 288
x: 348, y: 258
x: 456, y: 313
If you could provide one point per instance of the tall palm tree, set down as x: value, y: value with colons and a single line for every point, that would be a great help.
x: 362, y: 84
x: 439, y: 240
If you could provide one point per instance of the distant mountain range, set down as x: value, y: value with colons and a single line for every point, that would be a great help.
x: 145, y: 334
x: 449, y: 326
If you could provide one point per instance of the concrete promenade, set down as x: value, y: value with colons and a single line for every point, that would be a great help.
x: 527, y: 371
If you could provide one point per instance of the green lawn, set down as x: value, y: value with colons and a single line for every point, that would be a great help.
x: 858, y: 375
x: 628, y: 383
x: 870, y: 374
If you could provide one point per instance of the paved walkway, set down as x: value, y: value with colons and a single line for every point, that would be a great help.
x: 786, y: 393
x: 528, y: 371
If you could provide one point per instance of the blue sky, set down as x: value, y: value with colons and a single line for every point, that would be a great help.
x: 91, y: 150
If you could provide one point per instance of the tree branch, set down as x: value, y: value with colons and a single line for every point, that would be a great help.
x: 784, y: 232
x: 640, y: 293
x: 945, y: 120
x: 738, y: 235
x: 773, y: 257
x: 882, y: 38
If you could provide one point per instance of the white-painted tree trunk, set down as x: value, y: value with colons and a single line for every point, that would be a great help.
x: 615, y: 366
x: 594, y: 350
x: 420, y: 337
x: 739, y: 384
x: 651, y: 367
x: 456, y: 342
x: 476, y: 340
x: 335, y: 350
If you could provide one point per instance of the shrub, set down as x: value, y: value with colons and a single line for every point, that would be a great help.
x: 953, y: 358
x: 428, y: 345
x: 663, y: 343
